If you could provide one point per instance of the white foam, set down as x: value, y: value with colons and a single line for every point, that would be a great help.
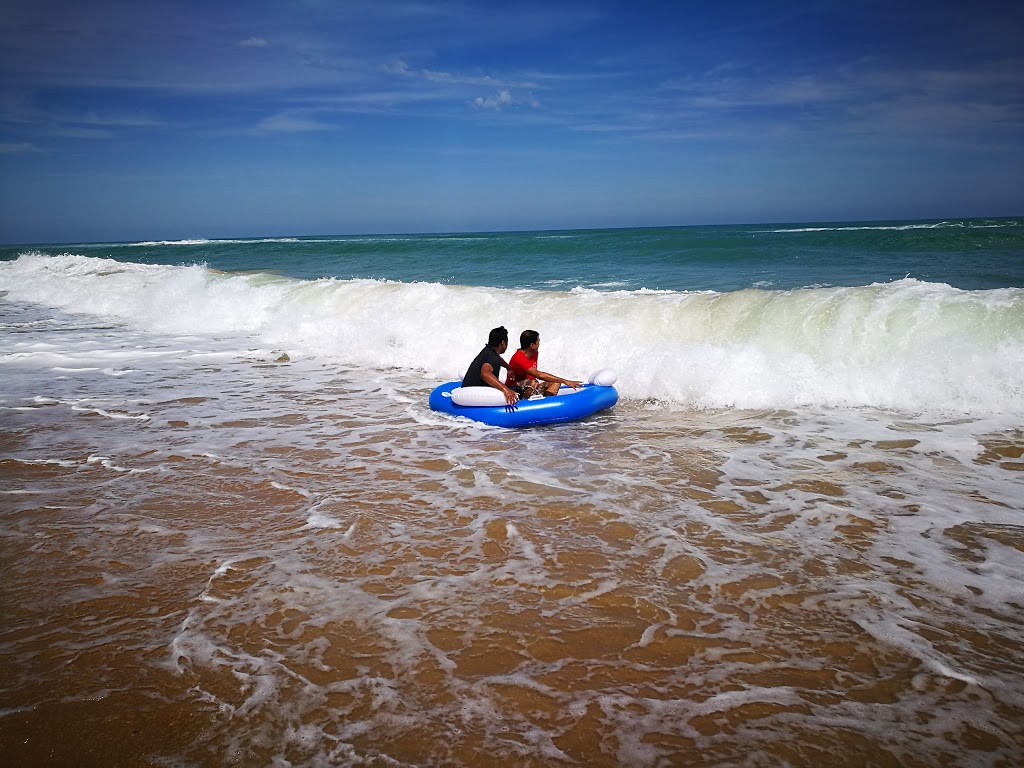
x: 318, y: 519
x: 907, y: 344
x: 109, y: 463
x: 889, y: 227
x: 283, y: 487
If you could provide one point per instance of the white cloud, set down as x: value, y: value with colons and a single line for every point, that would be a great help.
x: 504, y: 99
x: 253, y: 42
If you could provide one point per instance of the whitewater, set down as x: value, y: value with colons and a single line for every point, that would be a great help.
x: 906, y: 344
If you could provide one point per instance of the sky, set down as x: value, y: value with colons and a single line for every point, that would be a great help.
x: 136, y: 119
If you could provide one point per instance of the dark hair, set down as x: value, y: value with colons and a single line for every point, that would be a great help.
x: 497, y: 336
x: 526, y: 338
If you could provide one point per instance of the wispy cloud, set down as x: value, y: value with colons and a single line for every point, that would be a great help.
x: 291, y: 123
x: 401, y: 68
x: 782, y: 91
x: 865, y: 99
x: 78, y: 132
x: 19, y: 112
x: 18, y: 148
x: 115, y: 120
x: 253, y: 42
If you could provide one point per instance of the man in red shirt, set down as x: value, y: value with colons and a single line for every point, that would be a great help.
x: 523, y: 376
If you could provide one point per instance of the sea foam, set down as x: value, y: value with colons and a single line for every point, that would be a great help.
x: 907, y: 345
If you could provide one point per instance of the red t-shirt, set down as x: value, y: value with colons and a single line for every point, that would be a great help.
x: 517, y: 368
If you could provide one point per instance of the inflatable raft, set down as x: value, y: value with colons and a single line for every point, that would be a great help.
x: 487, y: 405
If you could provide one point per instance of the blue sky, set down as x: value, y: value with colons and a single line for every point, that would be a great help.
x: 125, y: 119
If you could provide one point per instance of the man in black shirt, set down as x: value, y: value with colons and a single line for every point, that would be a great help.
x: 483, y: 371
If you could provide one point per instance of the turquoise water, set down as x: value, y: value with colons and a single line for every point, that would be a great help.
x: 971, y: 254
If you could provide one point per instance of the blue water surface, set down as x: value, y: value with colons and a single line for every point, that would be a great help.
x: 971, y: 254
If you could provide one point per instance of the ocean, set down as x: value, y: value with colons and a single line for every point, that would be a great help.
x: 233, y: 533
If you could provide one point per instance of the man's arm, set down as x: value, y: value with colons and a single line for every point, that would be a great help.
x: 487, y: 374
x: 553, y: 379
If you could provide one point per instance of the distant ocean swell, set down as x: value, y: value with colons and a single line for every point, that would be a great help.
x: 907, y: 345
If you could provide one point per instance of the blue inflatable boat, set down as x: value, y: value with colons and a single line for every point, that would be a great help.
x: 568, y: 405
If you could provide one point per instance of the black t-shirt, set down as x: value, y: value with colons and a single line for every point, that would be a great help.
x: 487, y: 355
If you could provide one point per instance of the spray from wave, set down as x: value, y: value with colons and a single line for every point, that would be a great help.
x: 906, y: 345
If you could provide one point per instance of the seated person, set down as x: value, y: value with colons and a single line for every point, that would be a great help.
x: 483, y: 371
x: 523, y: 376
